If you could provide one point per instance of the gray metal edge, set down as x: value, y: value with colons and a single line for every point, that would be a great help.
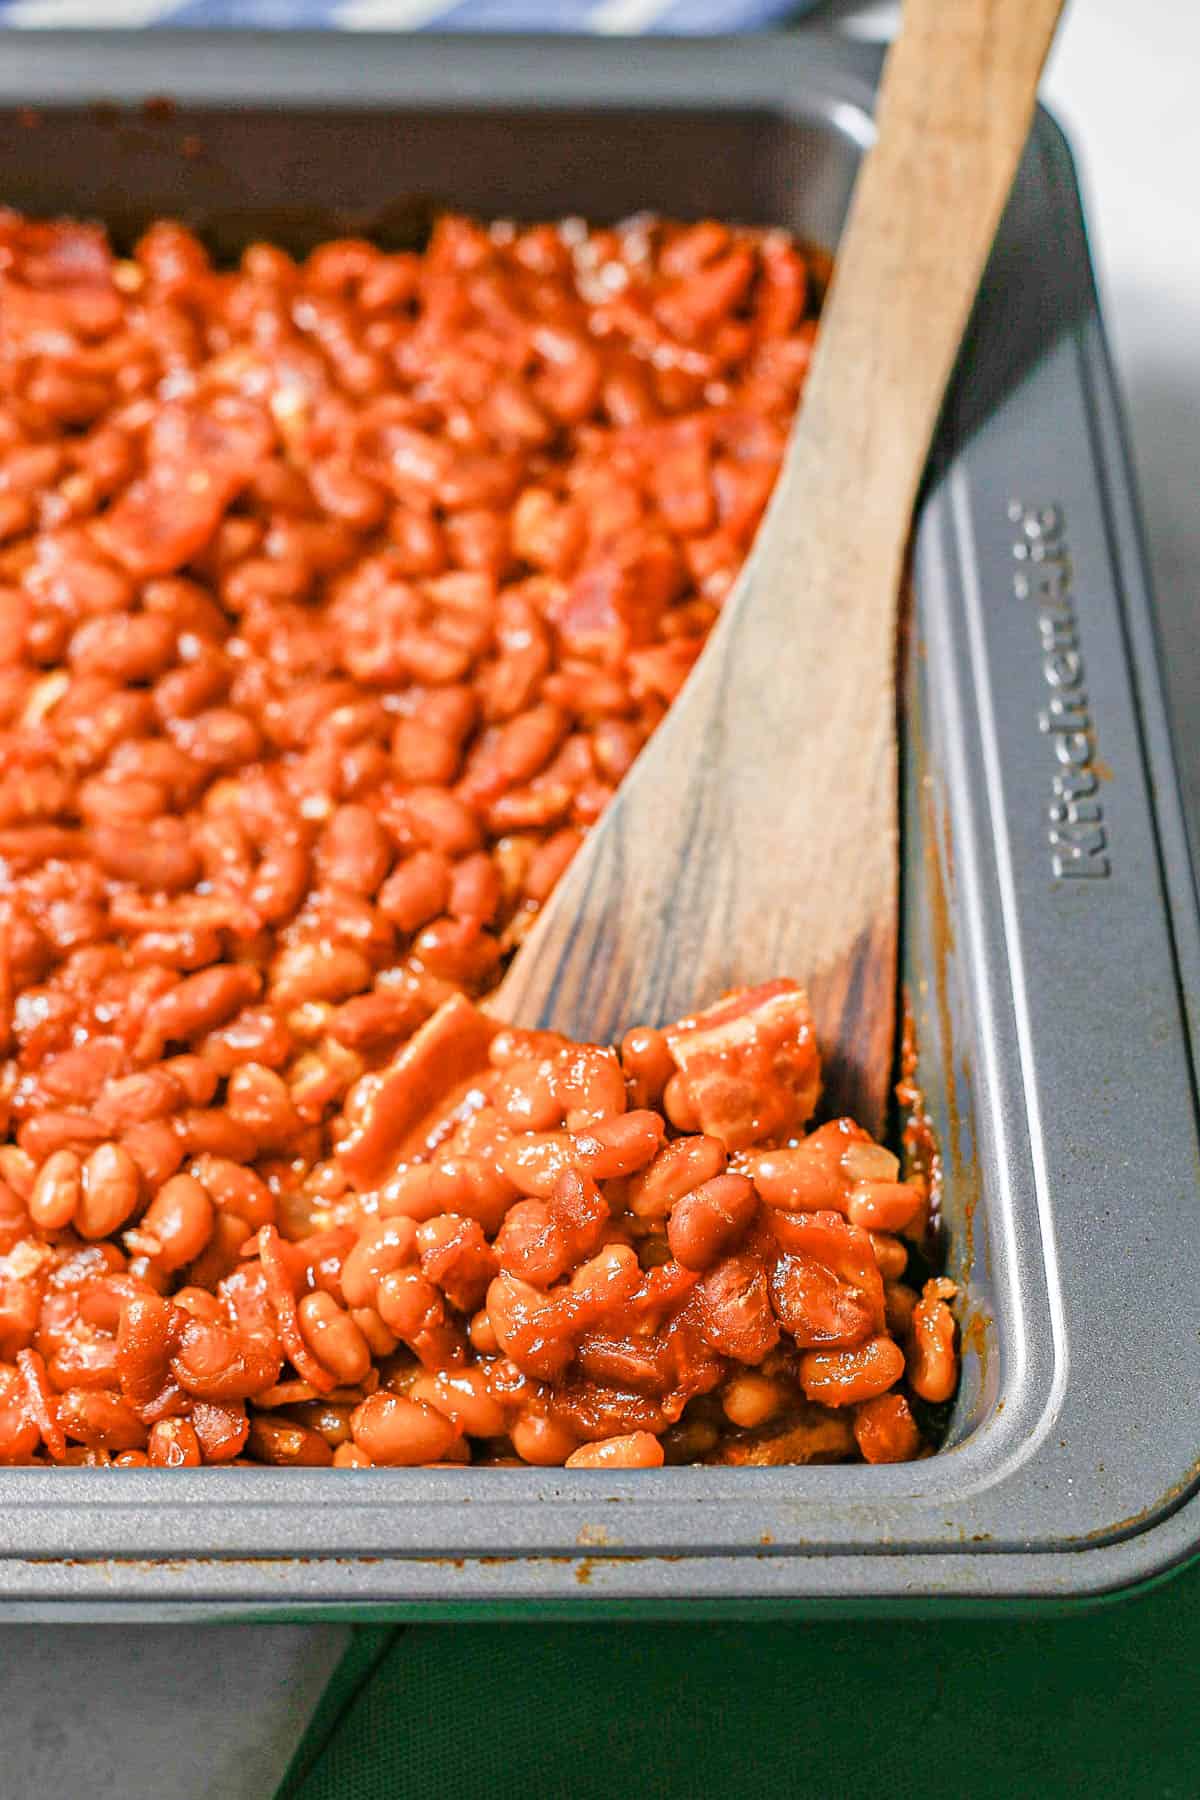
x: 262, y: 1513
x: 387, y: 70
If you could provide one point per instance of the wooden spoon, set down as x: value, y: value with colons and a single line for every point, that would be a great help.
x: 756, y: 836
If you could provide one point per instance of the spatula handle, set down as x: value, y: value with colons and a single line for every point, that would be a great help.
x: 954, y: 111
x: 757, y: 834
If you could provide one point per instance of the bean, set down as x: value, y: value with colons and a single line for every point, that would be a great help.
x: 331, y: 1419
x: 483, y: 1335
x: 275, y: 1439
x: 434, y: 819
x: 843, y: 1377
x: 218, y: 737
x: 221, y: 1429
x: 385, y: 1245
x: 636, y: 1450
x: 195, y: 1006
x: 214, y: 1362
x: 615, y: 746
x: 750, y: 1400
x: 883, y: 1205
x: 534, y: 1161
x: 409, y: 1304
x: 542, y: 1441
x: 457, y: 951
x: 618, y: 1146
x: 155, y: 1148
x: 233, y: 1188
x: 422, y: 755
x: 258, y: 1098
x: 127, y: 801
x: 531, y: 1329
x: 129, y: 647
x: 41, y: 1402
x: 109, y: 1192
x: 173, y: 1444
x: 254, y: 1035
x: 549, y: 863
x: 211, y: 1130
x: 370, y: 1020
x: 317, y: 971
x: 52, y: 1130
x: 100, y: 1419
x: 861, y: 1160
x: 890, y: 1255
x: 18, y: 1170
x: 679, y: 1167
x: 462, y: 1396
x: 525, y: 1094
x: 932, y: 1361
x: 381, y: 1340
x: 146, y: 1337
x: 354, y: 851
x: 885, y: 1430
x: 334, y: 1338
x: 349, y: 1456
x: 458, y: 1258
x: 196, y: 1076
x: 899, y: 1303
x: 647, y: 1061
x: 14, y: 1216
x: 807, y: 1177
x: 474, y: 889
x: 735, y: 1309
x: 280, y: 880
x: 705, y: 1224
x: 133, y: 1099
x: 159, y: 857
x: 178, y: 1222
x: 396, y: 1432
x: 56, y: 1191
x: 516, y: 751
x: 607, y: 1278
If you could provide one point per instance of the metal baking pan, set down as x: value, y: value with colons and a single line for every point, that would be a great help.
x: 1050, y: 920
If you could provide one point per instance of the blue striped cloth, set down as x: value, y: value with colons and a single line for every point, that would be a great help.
x: 668, y: 16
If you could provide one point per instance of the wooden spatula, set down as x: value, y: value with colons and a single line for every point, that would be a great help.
x: 757, y: 834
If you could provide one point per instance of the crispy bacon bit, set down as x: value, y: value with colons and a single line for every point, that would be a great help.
x: 748, y: 1067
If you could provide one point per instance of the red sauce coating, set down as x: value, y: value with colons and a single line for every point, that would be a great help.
x: 336, y: 598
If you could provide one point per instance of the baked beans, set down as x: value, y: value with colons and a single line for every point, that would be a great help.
x: 337, y: 596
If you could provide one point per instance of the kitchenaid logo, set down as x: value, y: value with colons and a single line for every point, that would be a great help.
x: 1043, y: 580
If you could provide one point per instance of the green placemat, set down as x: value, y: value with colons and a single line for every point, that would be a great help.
x: 1103, y: 1704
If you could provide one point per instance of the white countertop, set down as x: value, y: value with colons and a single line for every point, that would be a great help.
x: 1122, y: 81
x: 212, y: 1713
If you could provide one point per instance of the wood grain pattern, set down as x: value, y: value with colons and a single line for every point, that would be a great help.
x: 756, y: 836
